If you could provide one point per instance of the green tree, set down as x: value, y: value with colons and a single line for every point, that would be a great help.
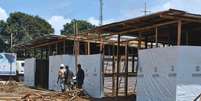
x: 82, y: 25
x: 3, y: 36
x: 24, y: 27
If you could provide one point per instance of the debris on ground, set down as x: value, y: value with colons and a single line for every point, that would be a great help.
x: 15, y: 91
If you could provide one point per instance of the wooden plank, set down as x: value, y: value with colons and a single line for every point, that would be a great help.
x: 47, y: 53
x: 118, y: 65
x: 147, y: 27
x: 179, y: 33
x: 64, y: 47
x: 130, y: 74
x: 56, y: 47
x: 88, y: 48
x: 187, y: 38
x: 146, y: 42
x: 133, y: 63
x: 113, y: 70
x: 126, y: 71
x: 156, y: 36
x: 181, y: 18
x: 139, y: 41
x: 41, y: 53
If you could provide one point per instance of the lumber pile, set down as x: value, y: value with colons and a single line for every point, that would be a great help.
x: 53, y: 96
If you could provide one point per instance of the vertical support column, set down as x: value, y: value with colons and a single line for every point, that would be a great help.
x: 88, y: 47
x: 133, y: 63
x: 56, y: 49
x: 163, y: 44
x: 139, y: 40
x: 24, y: 53
x: 46, y: 53
x: 179, y: 33
x: 49, y: 50
x: 113, y: 69
x: 34, y: 52
x: 146, y: 42
x: 126, y: 70
x: 41, y: 53
x: 78, y: 47
x: 151, y: 44
x: 187, y: 38
x: 118, y: 65
x: 156, y: 36
x: 64, y: 47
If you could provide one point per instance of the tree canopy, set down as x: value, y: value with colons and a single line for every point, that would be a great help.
x: 3, y: 36
x: 26, y: 27
x: 23, y: 28
x: 82, y: 25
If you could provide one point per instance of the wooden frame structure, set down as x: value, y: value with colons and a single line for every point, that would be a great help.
x: 166, y: 28
x: 162, y: 29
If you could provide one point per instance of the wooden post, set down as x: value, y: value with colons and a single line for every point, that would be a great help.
x: 156, y: 36
x: 126, y: 70
x: 46, y: 53
x: 187, y: 38
x: 118, y: 65
x: 179, y: 33
x: 49, y: 50
x: 56, y: 47
x: 64, y: 47
x: 113, y: 70
x: 163, y: 44
x: 34, y: 52
x: 41, y: 53
x: 139, y: 41
x: 133, y: 63
x: 88, y: 47
x: 146, y: 42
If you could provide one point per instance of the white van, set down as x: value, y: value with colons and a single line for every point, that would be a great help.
x: 20, y: 67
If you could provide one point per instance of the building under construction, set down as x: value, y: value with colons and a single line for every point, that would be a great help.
x: 162, y: 29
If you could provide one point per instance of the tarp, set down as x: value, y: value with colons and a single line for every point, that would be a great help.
x: 169, y: 74
x: 91, y: 65
x: 29, y: 72
x: 93, y: 82
x: 7, y: 64
x: 54, y: 63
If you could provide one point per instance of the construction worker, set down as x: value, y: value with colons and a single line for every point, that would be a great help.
x: 68, y: 79
x: 61, y: 77
x: 80, y: 76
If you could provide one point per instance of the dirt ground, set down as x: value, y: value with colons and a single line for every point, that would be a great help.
x: 13, y: 91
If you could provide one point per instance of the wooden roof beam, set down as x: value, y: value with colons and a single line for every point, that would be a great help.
x: 147, y: 28
x: 180, y: 18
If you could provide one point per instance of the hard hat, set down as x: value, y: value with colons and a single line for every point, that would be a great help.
x: 62, y: 65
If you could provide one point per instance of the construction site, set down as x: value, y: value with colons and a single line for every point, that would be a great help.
x: 154, y: 57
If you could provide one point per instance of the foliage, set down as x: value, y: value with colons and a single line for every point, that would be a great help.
x: 24, y: 27
x: 82, y: 25
x: 3, y: 36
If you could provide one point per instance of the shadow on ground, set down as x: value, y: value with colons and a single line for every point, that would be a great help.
x: 120, y: 98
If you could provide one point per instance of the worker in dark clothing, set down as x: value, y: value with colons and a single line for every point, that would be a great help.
x: 80, y: 76
x: 68, y: 79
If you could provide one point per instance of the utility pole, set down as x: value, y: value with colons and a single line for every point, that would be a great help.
x: 101, y: 12
x: 76, y: 44
x: 145, y: 8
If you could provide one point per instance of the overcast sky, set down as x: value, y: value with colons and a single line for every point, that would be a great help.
x: 59, y: 12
